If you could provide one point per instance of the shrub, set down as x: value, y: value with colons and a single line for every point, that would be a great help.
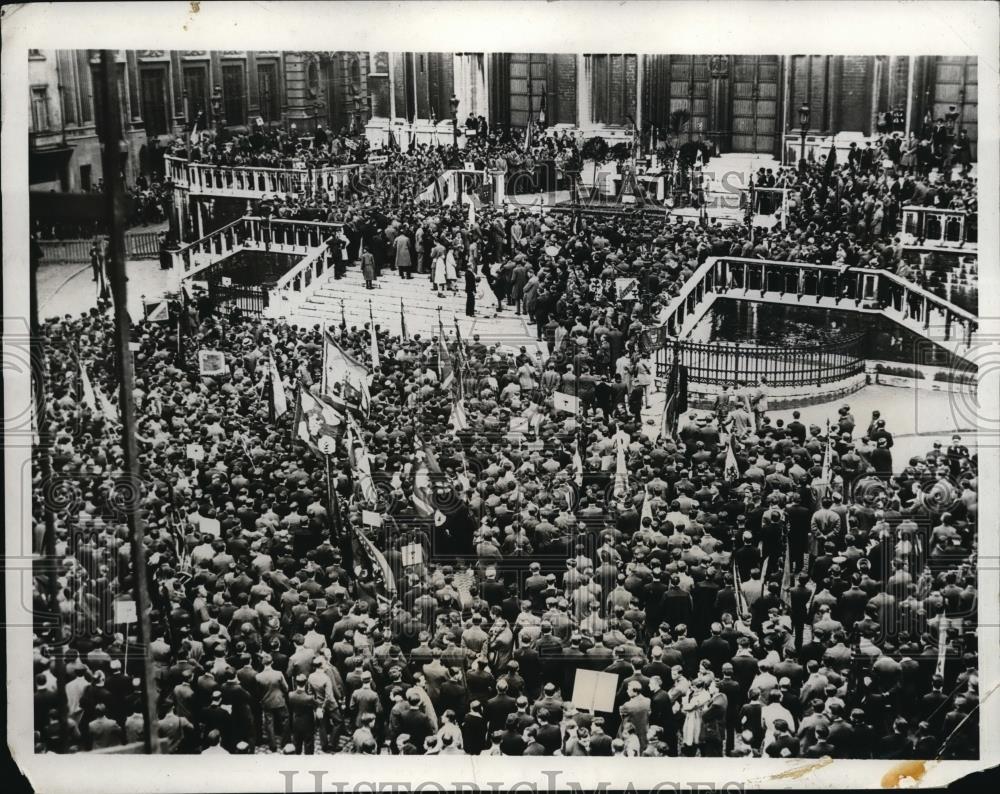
x: 595, y: 149
x: 899, y: 372
x: 966, y: 377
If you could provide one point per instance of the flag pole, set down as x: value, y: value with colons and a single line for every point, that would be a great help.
x: 115, y: 196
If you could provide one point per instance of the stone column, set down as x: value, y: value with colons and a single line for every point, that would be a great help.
x: 584, y: 77
x: 719, y: 110
x: 392, y: 88
x: 910, y: 76
x: 640, y: 67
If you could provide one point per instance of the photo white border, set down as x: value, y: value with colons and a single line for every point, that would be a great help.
x: 869, y: 28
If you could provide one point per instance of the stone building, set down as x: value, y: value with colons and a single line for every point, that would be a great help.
x: 744, y: 103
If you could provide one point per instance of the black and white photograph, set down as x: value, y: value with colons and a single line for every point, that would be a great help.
x: 422, y: 379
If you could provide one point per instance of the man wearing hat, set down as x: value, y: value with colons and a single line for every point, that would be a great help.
x: 303, y: 708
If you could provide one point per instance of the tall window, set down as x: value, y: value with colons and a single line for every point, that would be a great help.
x: 233, y: 90
x: 154, y: 100
x: 268, y: 98
x: 196, y: 88
x: 39, y: 108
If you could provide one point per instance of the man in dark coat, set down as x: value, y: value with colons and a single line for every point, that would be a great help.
x: 471, y: 281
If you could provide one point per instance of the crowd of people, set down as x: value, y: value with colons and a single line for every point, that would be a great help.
x: 147, y: 203
x: 757, y: 587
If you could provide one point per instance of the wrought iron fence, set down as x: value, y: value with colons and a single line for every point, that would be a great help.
x: 719, y: 363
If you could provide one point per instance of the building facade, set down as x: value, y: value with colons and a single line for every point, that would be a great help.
x: 164, y: 92
x: 744, y: 103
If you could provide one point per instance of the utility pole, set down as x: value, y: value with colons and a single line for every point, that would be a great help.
x: 114, y: 194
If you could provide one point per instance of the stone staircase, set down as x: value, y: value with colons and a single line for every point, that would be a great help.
x: 420, y: 302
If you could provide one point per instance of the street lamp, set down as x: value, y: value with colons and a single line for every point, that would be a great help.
x: 804, y: 124
x: 454, y: 118
x: 220, y: 122
x: 358, y: 126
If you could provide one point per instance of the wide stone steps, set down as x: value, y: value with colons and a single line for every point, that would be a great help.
x: 421, y: 304
x: 361, y: 304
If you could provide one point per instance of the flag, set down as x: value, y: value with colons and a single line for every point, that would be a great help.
x: 472, y: 212
x: 731, y: 471
x: 361, y: 463
x: 460, y: 359
x: 194, y: 129
x: 786, y: 574
x: 366, y: 555
x: 343, y: 317
x: 431, y: 459
x: 376, y: 361
x: 87, y: 390
x: 341, y: 368
x: 621, y: 469
x: 668, y: 422
x: 446, y: 371
x: 827, y: 459
x: 647, y: 507
x: 578, y: 465
x: 942, y: 644
x: 422, y: 499
x: 742, y: 607
x: 541, y: 112
x: 459, y: 420
x: 830, y: 164
x: 279, y: 400
x: 316, y: 422
x: 158, y: 312
x: 402, y: 321
x: 108, y: 408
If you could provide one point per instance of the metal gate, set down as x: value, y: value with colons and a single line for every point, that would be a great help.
x: 248, y: 299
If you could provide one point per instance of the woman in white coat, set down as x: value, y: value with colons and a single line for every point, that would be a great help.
x: 438, y: 270
x: 450, y: 269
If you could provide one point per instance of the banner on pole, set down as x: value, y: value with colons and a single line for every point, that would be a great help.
x: 196, y: 452
x: 371, y: 518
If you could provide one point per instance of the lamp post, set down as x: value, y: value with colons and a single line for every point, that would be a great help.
x: 453, y: 102
x: 804, y: 124
x: 220, y: 122
x: 358, y: 126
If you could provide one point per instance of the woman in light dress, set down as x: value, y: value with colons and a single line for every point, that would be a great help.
x: 438, y: 269
x: 450, y: 269
x: 693, y: 706
x: 491, y: 302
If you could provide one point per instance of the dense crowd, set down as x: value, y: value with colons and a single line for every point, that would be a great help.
x: 147, y: 201
x: 795, y: 606
x: 805, y: 595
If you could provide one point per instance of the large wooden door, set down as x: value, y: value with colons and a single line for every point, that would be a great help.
x: 689, y: 89
x: 528, y: 83
x: 956, y: 84
x: 755, y: 93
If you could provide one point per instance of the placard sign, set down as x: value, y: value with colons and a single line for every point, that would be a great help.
x: 595, y: 691
x: 125, y: 611
x: 211, y: 363
x: 412, y: 554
